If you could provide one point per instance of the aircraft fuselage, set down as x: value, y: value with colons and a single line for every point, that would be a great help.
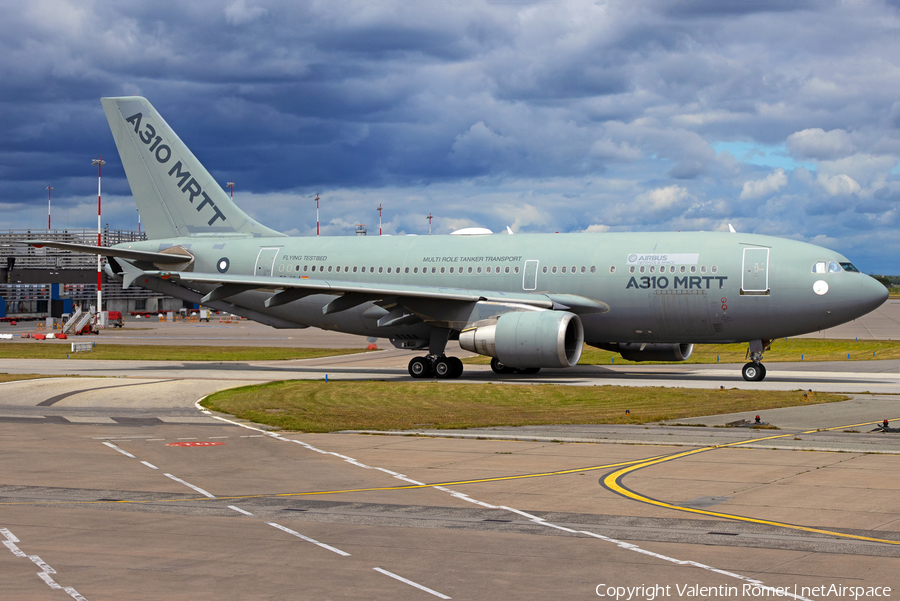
x: 660, y: 287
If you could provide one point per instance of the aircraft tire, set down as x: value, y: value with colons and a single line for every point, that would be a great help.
x: 443, y: 368
x: 457, y: 367
x: 762, y: 374
x: 530, y: 370
x: 753, y: 372
x: 419, y: 367
x: 501, y: 369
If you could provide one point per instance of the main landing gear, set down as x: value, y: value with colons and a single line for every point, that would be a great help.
x: 755, y: 371
x: 441, y: 367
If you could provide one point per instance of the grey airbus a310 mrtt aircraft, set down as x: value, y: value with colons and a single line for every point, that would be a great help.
x: 527, y: 300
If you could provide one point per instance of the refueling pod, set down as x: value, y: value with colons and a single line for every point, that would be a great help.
x: 638, y: 351
x: 527, y: 339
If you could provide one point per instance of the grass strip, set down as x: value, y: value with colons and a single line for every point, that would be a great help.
x: 316, y: 406
x: 17, y: 377
x: 152, y: 352
x: 790, y: 349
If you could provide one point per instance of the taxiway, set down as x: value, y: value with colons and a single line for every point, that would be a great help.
x: 115, y: 485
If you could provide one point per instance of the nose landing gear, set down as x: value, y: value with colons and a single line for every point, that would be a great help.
x: 755, y: 371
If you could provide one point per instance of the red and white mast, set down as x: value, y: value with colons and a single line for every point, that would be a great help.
x: 49, y: 190
x: 99, y: 162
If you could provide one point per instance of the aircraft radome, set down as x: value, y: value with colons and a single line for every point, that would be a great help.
x: 527, y: 300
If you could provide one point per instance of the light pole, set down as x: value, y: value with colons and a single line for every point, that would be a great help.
x: 317, y: 214
x: 230, y: 186
x: 429, y: 218
x: 139, y: 222
x: 49, y: 190
x: 379, y: 219
x: 99, y: 162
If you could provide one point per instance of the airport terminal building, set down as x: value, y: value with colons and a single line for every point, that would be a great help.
x: 47, y: 281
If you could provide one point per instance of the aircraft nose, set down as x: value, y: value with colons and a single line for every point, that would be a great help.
x: 872, y: 294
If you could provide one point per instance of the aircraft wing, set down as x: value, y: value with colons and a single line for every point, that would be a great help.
x: 170, y: 258
x: 428, y: 301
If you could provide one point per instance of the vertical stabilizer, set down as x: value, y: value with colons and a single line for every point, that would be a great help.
x: 175, y: 194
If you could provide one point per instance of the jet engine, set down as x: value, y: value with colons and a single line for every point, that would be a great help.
x: 528, y: 339
x: 636, y: 351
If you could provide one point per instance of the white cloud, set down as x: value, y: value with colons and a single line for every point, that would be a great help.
x: 815, y: 143
x: 238, y: 13
x: 663, y: 198
x: 596, y: 228
x: 763, y: 187
x: 838, y: 185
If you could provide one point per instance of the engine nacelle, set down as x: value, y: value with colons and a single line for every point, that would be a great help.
x: 636, y: 351
x: 528, y: 339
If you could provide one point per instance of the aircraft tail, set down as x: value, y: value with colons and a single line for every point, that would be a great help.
x: 174, y: 193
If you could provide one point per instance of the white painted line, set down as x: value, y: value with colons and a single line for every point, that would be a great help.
x: 115, y: 448
x: 14, y: 549
x: 189, y: 485
x: 41, y: 564
x: 9, y: 535
x: 539, y: 521
x: 74, y: 594
x: 150, y: 465
x: 212, y: 437
x: 50, y: 581
x: 411, y: 583
x: 239, y: 510
x: 309, y: 540
x: 177, y: 419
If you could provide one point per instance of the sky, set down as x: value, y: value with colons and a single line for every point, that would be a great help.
x: 780, y: 117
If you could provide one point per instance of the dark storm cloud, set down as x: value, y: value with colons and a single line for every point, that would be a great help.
x: 543, y: 115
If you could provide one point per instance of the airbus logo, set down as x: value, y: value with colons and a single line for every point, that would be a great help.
x: 663, y: 259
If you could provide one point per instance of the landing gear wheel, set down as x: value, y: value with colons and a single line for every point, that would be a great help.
x: 457, y: 367
x: 530, y: 370
x: 501, y: 369
x: 419, y: 367
x: 753, y: 372
x: 443, y: 368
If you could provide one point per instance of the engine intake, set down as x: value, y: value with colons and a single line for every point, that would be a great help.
x: 528, y: 339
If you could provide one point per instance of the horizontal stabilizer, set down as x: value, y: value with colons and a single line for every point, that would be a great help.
x: 120, y: 253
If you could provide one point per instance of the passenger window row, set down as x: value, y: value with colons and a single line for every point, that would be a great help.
x: 364, y: 269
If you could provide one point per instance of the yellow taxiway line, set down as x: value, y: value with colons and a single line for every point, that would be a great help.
x: 613, y: 482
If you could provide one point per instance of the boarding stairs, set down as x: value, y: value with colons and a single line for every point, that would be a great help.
x: 70, y: 324
x: 84, y: 323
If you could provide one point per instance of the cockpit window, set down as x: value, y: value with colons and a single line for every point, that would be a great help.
x: 819, y: 267
x: 850, y: 267
x: 833, y: 267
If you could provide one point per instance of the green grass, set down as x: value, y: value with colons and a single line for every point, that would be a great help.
x: 791, y: 349
x: 17, y: 377
x: 316, y: 406
x: 149, y: 352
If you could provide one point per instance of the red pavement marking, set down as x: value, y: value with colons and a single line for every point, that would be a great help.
x: 194, y: 444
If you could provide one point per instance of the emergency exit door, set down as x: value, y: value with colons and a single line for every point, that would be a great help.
x: 529, y: 278
x: 265, y: 261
